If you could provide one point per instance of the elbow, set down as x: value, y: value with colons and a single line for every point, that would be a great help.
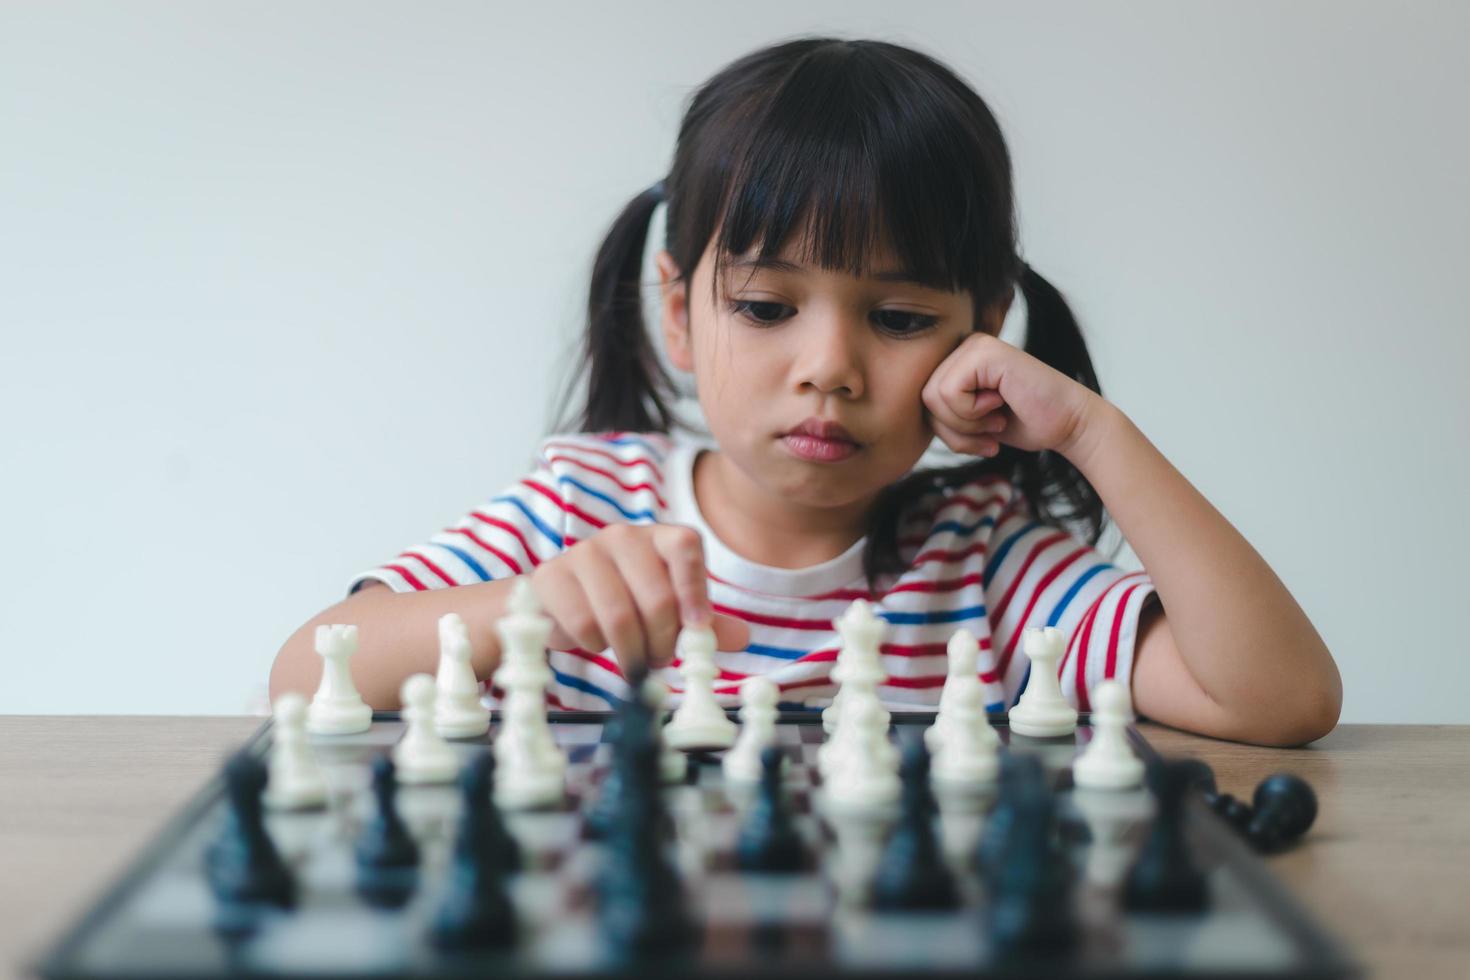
x: 296, y: 667
x: 1312, y: 713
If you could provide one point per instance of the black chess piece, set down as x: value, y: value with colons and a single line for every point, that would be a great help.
x: 477, y: 910
x: 769, y: 840
x: 1016, y: 772
x: 911, y: 873
x: 1030, y: 910
x: 1236, y: 813
x: 242, y: 864
x: 1164, y: 878
x: 387, y: 857
x: 641, y: 904
x: 482, y: 833
x: 1285, y: 808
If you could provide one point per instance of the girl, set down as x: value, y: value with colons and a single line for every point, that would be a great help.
x: 841, y: 253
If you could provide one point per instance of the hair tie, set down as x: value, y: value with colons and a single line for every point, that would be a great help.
x: 657, y: 190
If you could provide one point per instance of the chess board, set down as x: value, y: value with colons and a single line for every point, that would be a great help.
x: 159, y: 919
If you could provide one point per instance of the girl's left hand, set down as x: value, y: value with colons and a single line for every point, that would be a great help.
x: 987, y: 393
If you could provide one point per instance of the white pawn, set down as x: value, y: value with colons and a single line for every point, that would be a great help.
x: 1043, y: 711
x: 458, y: 712
x: 337, y: 708
x: 673, y: 765
x: 758, y: 714
x: 295, y: 781
x: 866, y: 780
x: 421, y: 756
x: 1108, y: 761
x: 699, y: 722
x: 961, y: 685
x: 969, y: 753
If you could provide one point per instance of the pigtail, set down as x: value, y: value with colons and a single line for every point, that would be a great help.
x: 1056, y: 490
x: 627, y: 386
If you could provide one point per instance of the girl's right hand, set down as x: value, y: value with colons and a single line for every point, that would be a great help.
x: 632, y: 587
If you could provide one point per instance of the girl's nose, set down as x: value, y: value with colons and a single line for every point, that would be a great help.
x: 829, y: 356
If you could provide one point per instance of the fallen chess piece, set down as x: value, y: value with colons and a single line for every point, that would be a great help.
x: 1282, y: 809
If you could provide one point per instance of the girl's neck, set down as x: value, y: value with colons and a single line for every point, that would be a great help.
x: 764, y: 528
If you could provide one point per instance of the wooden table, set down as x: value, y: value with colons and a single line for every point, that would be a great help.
x: 1387, y: 865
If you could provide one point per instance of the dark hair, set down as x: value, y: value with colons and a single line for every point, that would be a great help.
x: 858, y: 144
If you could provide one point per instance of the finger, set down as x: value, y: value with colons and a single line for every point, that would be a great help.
x: 614, y: 608
x: 682, y: 551
x: 564, y: 600
x: 983, y: 444
x: 648, y: 580
x: 960, y: 409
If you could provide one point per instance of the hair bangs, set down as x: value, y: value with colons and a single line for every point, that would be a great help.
x: 853, y: 160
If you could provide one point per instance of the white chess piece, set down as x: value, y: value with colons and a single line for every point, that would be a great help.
x: 866, y: 780
x: 1108, y: 761
x: 458, y: 712
x: 421, y: 756
x: 758, y: 714
x: 295, y: 780
x: 673, y: 765
x: 337, y: 708
x: 1043, y: 711
x: 530, y: 768
x: 961, y: 684
x: 969, y: 753
x: 862, y: 635
x: 699, y: 722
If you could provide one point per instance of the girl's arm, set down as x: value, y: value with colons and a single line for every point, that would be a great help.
x: 1234, y: 656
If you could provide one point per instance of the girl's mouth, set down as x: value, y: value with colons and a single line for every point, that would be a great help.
x: 816, y: 449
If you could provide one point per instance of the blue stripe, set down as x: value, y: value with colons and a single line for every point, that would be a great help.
x: 962, y: 529
x: 783, y: 652
x: 1003, y: 550
x: 1056, y: 614
x: 631, y: 515
x: 577, y: 683
x: 996, y: 708
x: 465, y: 557
x: 635, y: 441
x: 936, y: 616
x: 538, y: 522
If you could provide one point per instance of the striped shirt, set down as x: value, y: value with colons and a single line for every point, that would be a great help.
x: 974, y: 556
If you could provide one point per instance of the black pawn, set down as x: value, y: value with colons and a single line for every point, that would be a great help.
x: 1164, y: 878
x: 1030, y: 908
x: 768, y: 839
x: 1285, y: 808
x: 641, y: 903
x: 1017, y: 772
x: 477, y: 910
x: 482, y: 834
x: 387, y: 857
x: 243, y: 865
x: 912, y: 874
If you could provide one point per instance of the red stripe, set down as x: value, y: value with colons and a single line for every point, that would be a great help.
x: 512, y: 530
x: 783, y: 622
x: 1082, y: 638
x: 940, y: 554
x: 1111, y: 667
x: 625, y: 463
x: 629, y: 487
x: 552, y: 496
x: 1047, y: 579
x: 939, y: 585
x: 514, y: 565
x: 409, y: 577
x: 998, y: 610
x: 430, y: 566
x: 610, y: 666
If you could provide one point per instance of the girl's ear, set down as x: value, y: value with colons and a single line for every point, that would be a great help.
x: 674, y: 313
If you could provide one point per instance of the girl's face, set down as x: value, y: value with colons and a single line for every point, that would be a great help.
x: 786, y: 342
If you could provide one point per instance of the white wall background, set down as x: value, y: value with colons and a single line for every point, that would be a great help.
x: 285, y: 287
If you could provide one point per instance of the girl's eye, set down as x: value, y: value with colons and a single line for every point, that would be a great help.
x: 759, y: 312
x: 891, y: 321
x: 899, y: 322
